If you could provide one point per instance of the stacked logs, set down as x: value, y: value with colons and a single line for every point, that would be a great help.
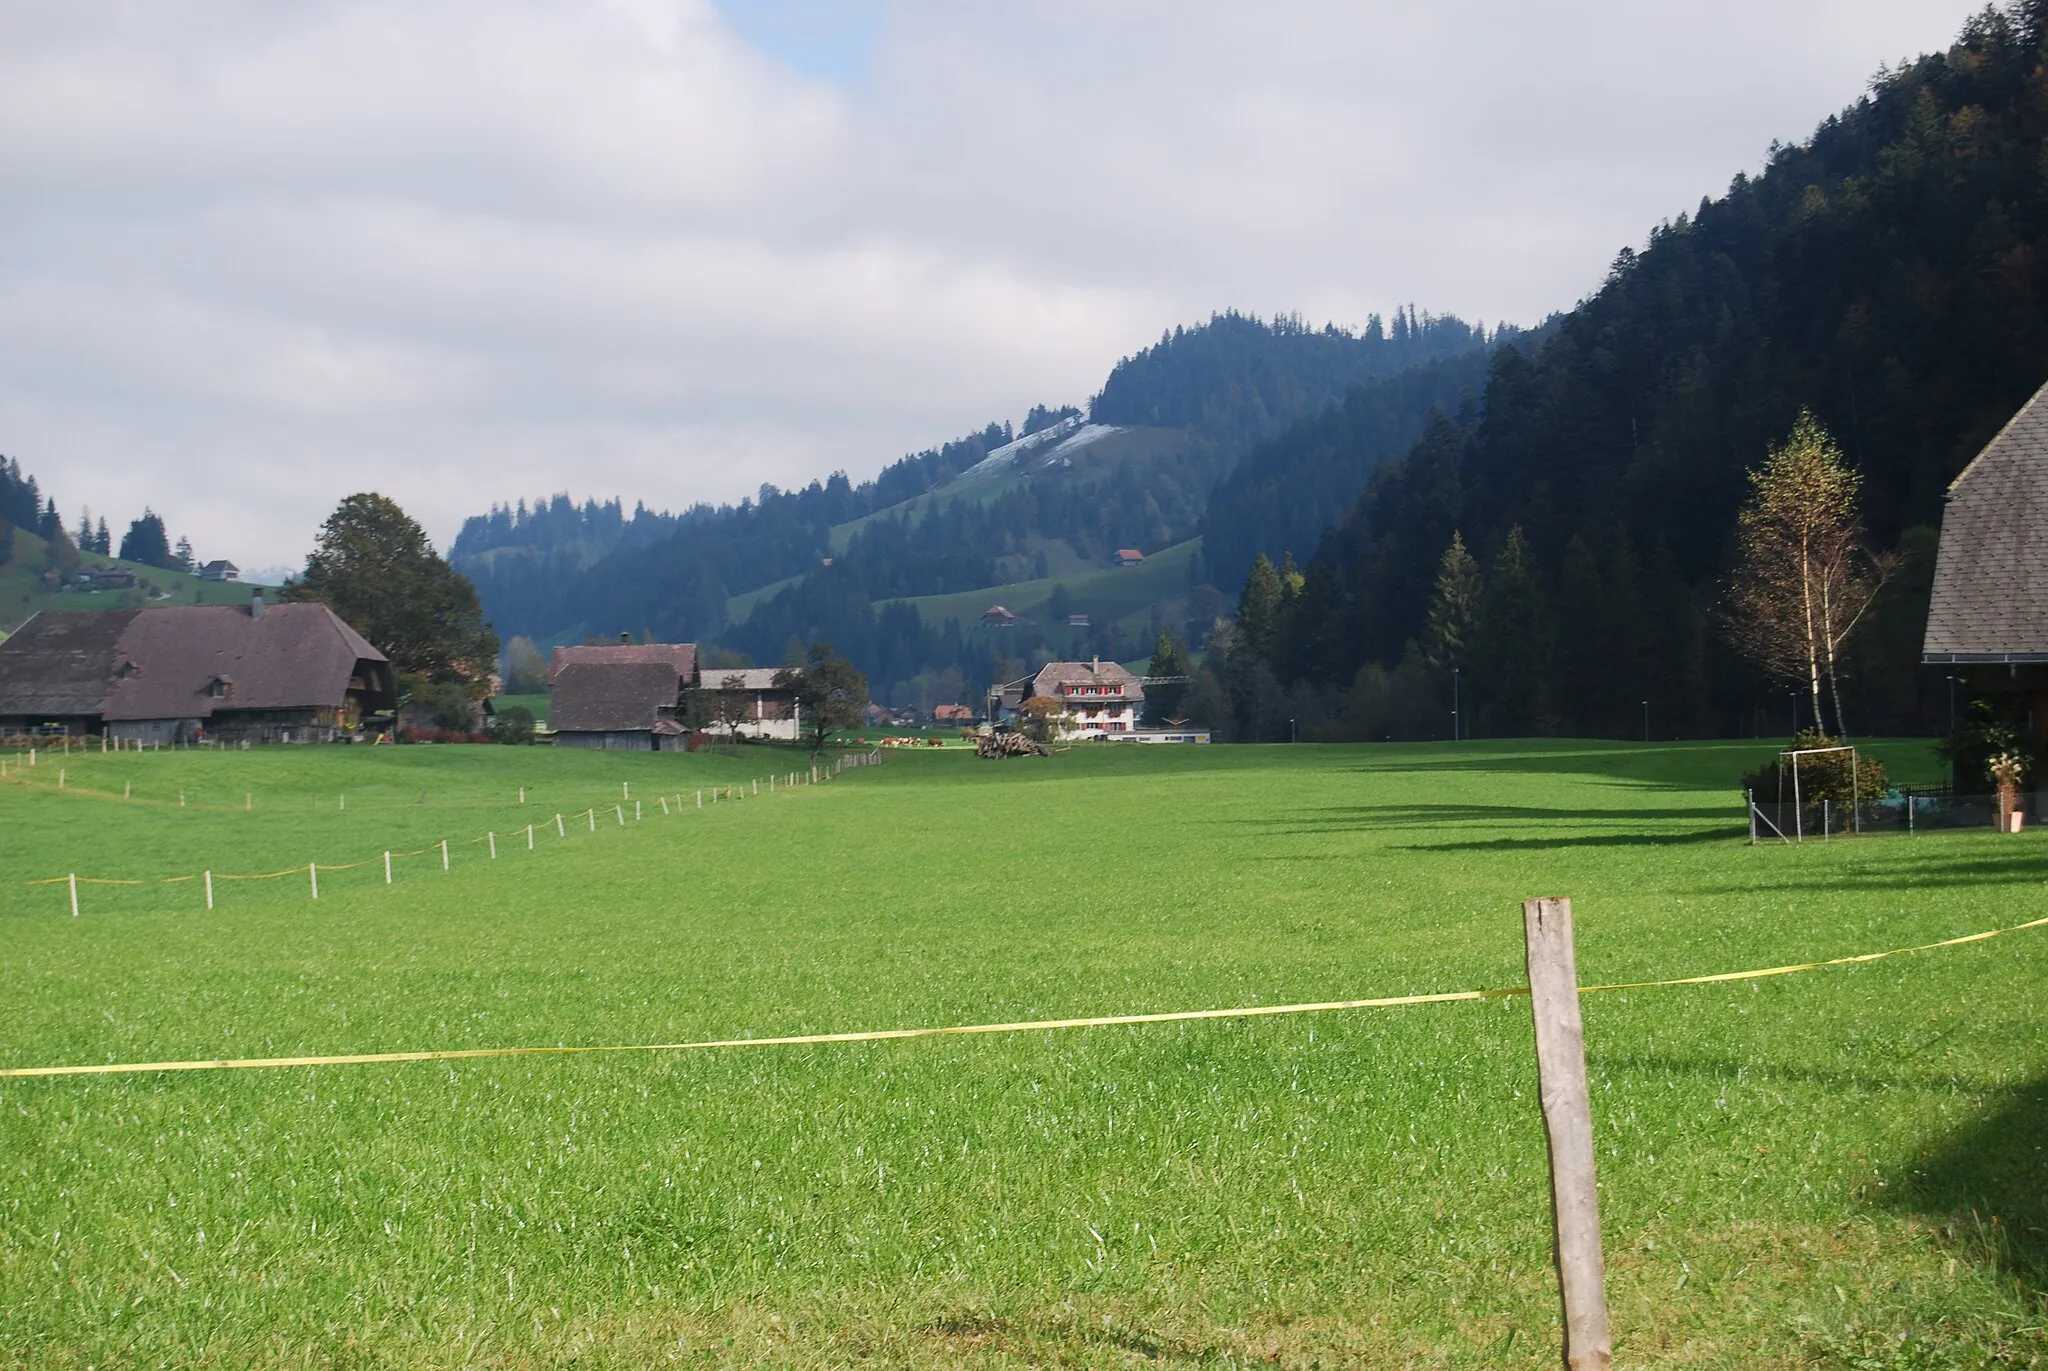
x: 1009, y: 745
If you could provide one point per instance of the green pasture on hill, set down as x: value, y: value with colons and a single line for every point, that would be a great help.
x: 22, y: 592
x: 1843, y: 1168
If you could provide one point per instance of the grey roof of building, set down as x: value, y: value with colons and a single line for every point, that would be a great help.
x: 1055, y: 674
x: 753, y: 678
x: 59, y: 663
x: 681, y: 657
x: 612, y: 697
x: 162, y: 663
x: 1990, y: 598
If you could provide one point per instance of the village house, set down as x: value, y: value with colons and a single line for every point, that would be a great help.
x: 995, y: 616
x: 220, y: 571
x: 226, y: 673
x: 1128, y: 556
x: 624, y: 697
x: 1987, y: 618
x: 1101, y: 699
x: 952, y: 714
x: 745, y: 702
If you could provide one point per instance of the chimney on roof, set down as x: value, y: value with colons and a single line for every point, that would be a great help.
x: 1095, y: 664
x: 256, y: 605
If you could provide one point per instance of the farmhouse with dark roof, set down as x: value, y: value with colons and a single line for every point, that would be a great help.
x: 621, y: 696
x: 285, y: 673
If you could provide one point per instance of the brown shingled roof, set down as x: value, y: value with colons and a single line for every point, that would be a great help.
x: 612, y: 697
x: 161, y: 663
x: 60, y: 663
x: 681, y: 656
x: 292, y: 657
x: 1990, y: 598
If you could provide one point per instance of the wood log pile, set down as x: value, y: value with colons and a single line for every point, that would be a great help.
x: 1009, y: 745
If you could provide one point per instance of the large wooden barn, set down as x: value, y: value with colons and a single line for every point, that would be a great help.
x: 229, y: 673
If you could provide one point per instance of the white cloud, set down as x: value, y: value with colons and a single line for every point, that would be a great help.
x: 254, y: 257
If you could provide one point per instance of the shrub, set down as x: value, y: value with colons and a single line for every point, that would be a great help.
x: 513, y: 726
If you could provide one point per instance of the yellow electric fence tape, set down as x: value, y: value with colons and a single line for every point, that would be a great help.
x: 965, y: 1030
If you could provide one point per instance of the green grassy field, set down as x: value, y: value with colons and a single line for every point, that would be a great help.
x: 1843, y: 1168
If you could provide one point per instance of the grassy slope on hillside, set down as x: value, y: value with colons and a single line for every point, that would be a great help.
x: 1794, y: 1171
x: 1106, y: 593
x: 22, y: 593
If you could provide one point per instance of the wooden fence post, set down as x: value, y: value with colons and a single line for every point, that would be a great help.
x: 1568, y: 1126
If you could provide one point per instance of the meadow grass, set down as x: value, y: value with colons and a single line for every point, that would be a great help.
x: 1842, y: 1168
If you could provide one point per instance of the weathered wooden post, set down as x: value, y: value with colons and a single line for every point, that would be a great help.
x: 74, y: 894
x: 387, y: 868
x: 1568, y: 1126
x: 444, y: 854
x: 209, y: 890
x: 313, y: 877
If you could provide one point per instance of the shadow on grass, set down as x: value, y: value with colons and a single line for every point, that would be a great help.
x: 1426, y: 815
x: 1701, y: 835
x: 1912, y: 875
x: 1985, y: 1185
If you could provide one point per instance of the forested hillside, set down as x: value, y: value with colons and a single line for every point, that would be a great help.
x: 1888, y: 275
x: 1282, y: 494
x: 986, y: 510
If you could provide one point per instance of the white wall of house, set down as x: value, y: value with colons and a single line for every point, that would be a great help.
x: 1106, y: 718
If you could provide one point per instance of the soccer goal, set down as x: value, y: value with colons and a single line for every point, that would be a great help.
x: 1788, y: 821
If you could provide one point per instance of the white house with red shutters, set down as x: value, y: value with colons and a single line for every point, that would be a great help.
x: 1101, y: 699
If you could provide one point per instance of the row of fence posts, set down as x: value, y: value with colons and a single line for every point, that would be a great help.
x: 730, y: 792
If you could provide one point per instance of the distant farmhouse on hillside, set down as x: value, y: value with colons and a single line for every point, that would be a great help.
x: 995, y: 616
x: 621, y: 696
x: 220, y: 571
x: 1988, y: 614
x: 291, y: 673
x: 1128, y: 556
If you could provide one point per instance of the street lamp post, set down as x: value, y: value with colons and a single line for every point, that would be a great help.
x: 1456, y: 726
x: 1646, y: 721
x: 1951, y: 704
x: 1293, y: 733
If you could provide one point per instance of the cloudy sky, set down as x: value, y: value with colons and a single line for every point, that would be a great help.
x: 256, y: 256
